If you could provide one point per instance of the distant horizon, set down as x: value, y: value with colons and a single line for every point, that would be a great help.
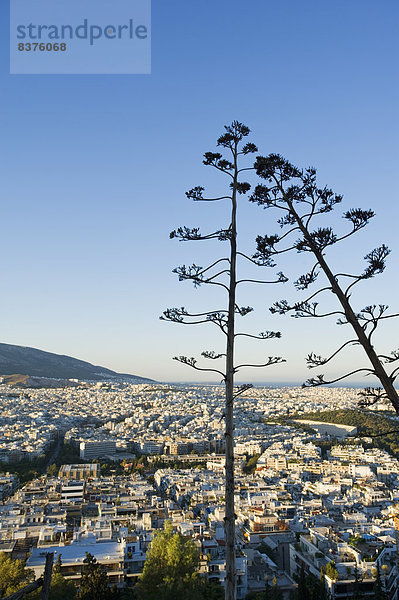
x: 272, y: 383
x: 268, y: 384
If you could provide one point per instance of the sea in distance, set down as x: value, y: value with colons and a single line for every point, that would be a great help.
x: 272, y: 384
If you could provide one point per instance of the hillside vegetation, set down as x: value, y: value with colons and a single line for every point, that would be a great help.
x: 369, y: 424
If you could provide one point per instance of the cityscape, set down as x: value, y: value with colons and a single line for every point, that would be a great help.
x: 309, y: 494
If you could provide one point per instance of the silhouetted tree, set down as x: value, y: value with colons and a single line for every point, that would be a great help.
x: 223, y: 273
x: 297, y: 195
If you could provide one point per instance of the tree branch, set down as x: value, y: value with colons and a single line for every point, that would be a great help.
x: 212, y: 199
x: 263, y: 335
x: 281, y: 279
x: 191, y: 362
x: 272, y: 360
x: 241, y: 389
x: 319, y: 380
x: 211, y: 354
x: 315, y: 360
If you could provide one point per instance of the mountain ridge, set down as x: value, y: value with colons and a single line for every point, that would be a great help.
x: 39, y: 363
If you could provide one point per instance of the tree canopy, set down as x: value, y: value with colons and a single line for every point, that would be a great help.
x: 171, y: 570
x: 13, y: 575
x: 94, y: 583
x: 303, y: 204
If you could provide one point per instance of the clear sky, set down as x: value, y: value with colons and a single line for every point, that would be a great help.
x: 94, y: 170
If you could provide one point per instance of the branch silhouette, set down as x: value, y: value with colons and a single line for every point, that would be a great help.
x: 296, y: 193
x: 232, y: 143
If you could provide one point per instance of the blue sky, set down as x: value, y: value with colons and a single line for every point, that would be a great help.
x: 94, y: 170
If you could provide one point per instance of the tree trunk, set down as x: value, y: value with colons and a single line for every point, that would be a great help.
x: 229, y: 520
x: 48, y: 569
x: 378, y: 367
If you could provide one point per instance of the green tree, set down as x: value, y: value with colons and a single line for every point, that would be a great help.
x: 331, y: 570
x: 13, y: 575
x: 94, y: 582
x: 60, y: 587
x: 250, y: 464
x: 206, y: 590
x: 52, y: 470
x: 171, y: 569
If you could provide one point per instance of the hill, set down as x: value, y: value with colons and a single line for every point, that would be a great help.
x: 37, y: 363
